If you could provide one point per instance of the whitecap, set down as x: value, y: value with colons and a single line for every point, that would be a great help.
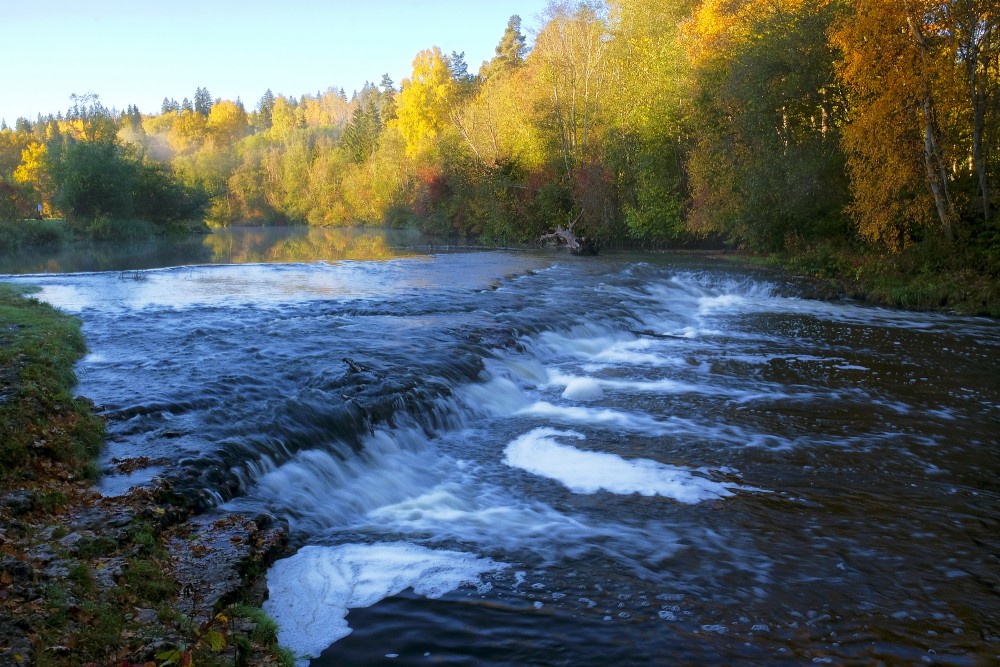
x: 582, y: 471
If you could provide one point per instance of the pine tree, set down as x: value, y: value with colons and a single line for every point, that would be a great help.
x: 510, y: 52
x: 202, y: 101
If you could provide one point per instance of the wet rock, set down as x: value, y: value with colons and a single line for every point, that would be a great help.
x: 17, y: 569
x: 146, y: 616
x: 56, y: 570
x: 15, y: 649
x: 70, y: 540
x: 211, y: 561
x: 19, y: 502
x: 108, y: 571
x: 43, y: 554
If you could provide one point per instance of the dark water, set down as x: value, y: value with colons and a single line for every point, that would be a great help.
x: 561, y: 461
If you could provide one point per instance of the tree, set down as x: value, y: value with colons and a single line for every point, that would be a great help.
x: 34, y: 172
x: 973, y: 28
x: 900, y: 70
x: 571, y: 52
x: 202, y: 101
x: 766, y: 165
x: 387, y: 100
x: 360, y: 138
x: 424, y: 103
x: 262, y: 118
x: 648, y: 137
x: 510, y: 52
x: 287, y: 117
x: 90, y: 120
x: 187, y: 132
x: 227, y: 123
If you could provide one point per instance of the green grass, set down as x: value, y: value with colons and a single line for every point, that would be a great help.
x: 39, y: 416
x: 963, y: 279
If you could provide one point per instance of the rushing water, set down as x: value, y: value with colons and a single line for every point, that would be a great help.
x: 542, y: 459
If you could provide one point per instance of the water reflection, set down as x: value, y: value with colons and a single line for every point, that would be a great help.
x: 238, y: 245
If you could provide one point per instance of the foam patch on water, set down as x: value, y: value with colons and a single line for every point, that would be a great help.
x: 312, y: 591
x: 582, y: 471
x: 583, y: 389
x: 597, y: 416
x: 587, y: 388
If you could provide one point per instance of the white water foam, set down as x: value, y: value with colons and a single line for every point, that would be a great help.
x: 312, y: 591
x: 588, y: 388
x: 589, y: 472
x: 597, y: 416
x: 583, y: 389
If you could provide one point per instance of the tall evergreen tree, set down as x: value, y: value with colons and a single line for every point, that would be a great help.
x: 202, y: 101
x: 265, y: 108
x: 510, y: 52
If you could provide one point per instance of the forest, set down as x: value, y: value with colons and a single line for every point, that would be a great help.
x: 855, y: 139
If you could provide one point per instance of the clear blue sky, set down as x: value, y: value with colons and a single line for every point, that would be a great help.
x: 138, y: 52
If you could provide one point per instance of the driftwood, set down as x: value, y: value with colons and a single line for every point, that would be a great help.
x: 583, y: 245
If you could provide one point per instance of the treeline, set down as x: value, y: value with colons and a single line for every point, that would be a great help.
x: 774, y: 125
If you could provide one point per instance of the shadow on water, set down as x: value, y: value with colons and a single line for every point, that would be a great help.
x: 238, y: 245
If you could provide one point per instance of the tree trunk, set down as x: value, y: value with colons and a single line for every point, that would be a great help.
x: 937, y: 176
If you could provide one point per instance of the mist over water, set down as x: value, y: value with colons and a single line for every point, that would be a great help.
x: 541, y: 459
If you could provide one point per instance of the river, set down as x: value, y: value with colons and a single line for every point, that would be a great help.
x: 529, y: 458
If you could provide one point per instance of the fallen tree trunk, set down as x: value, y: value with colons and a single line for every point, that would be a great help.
x: 584, y: 245
x: 562, y: 236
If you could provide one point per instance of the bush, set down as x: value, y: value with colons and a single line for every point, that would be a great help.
x: 18, y: 235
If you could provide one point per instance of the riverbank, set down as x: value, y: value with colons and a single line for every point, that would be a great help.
x: 919, y: 278
x: 86, y: 579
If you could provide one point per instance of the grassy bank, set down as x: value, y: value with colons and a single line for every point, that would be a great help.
x: 88, y: 580
x: 41, y: 422
x: 964, y: 280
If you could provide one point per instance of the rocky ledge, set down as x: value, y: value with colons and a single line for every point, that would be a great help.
x: 130, y: 580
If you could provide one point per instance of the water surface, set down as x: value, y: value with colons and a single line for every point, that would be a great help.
x: 534, y: 458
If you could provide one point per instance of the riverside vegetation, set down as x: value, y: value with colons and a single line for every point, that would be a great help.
x: 853, y: 140
x: 86, y: 580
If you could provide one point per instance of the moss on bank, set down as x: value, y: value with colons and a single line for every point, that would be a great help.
x: 40, y: 419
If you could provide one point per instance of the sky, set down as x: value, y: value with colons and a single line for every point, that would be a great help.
x: 138, y: 52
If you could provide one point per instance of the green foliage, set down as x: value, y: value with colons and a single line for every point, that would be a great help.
x: 48, y: 501
x: 778, y: 126
x: 95, y: 179
x: 767, y: 162
x: 26, y: 234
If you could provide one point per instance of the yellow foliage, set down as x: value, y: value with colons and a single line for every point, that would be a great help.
x: 227, y: 123
x: 894, y: 75
x: 424, y: 104
x: 32, y: 167
x: 187, y: 132
x: 499, y: 124
x: 286, y: 118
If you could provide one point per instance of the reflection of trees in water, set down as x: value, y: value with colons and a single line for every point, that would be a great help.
x: 298, y: 245
x: 226, y: 246
x: 106, y: 256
